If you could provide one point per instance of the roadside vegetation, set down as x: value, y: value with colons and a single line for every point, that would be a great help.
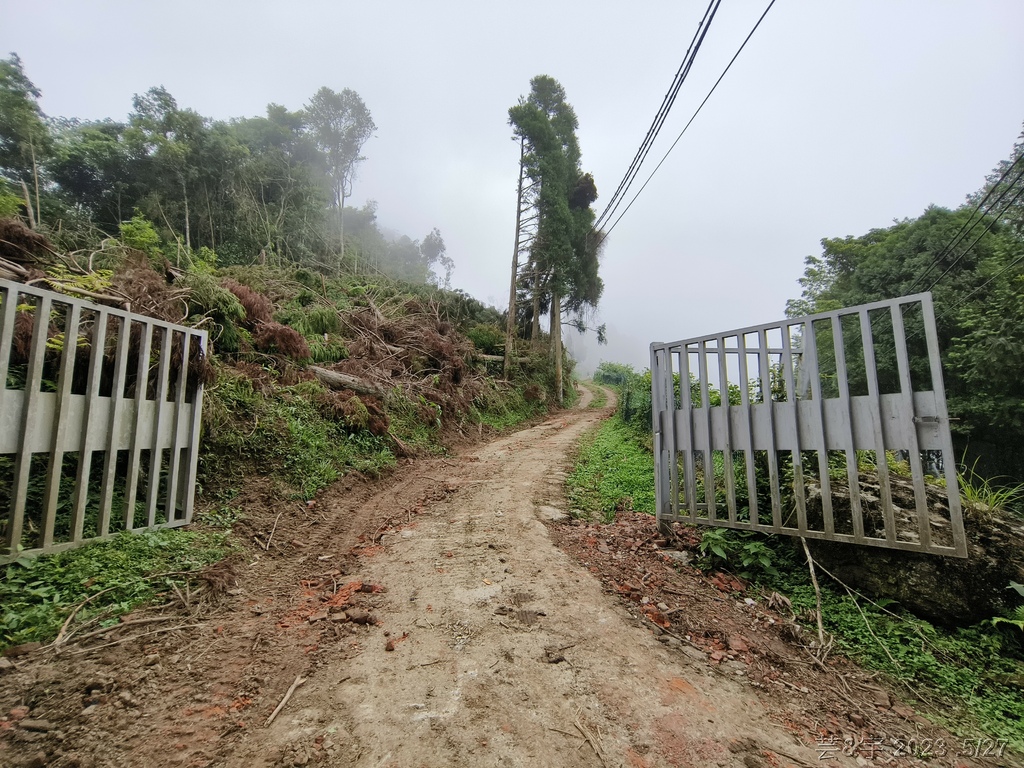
x: 968, y: 678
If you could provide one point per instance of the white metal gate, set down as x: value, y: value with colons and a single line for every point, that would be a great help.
x: 832, y: 426
x: 99, y: 420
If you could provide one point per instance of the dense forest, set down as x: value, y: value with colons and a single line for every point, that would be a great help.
x: 271, y: 189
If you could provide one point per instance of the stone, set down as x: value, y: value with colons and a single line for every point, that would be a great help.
x: 685, y: 558
x: 358, y: 615
x: 945, y: 590
x: 318, y: 616
x: 738, y: 644
x: 39, y: 726
x: 6, y: 665
x: 151, y: 659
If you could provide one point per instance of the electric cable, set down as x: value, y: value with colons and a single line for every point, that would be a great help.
x: 690, y: 122
x: 662, y: 114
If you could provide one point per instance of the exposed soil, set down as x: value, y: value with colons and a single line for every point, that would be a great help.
x: 432, y: 620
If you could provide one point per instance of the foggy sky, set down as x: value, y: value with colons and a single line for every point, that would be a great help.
x: 839, y: 117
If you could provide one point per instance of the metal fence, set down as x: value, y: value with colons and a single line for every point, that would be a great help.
x: 831, y: 426
x: 99, y: 420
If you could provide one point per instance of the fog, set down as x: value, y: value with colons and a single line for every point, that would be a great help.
x: 837, y: 118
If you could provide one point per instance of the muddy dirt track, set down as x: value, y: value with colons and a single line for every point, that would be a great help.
x: 431, y: 620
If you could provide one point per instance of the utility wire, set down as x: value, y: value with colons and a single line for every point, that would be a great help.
x: 692, y: 118
x: 662, y: 114
x: 993, y: 218
x: 1001, y: 272
x: 964, y: 230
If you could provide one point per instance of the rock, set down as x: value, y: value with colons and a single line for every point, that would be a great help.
x: 151, y: 659
x: 6, y: 665
x: 946, y: 590
x: 22, y: 650
x: 127, y: 699
x: 682, y: 557
x: 18, y: 713
x: 552, y: 514
x: 339, y: 618
x: 39, y: 726
x: 389, y: 645
x: 89, y: 711
x: 717, y: 655
x: 859, y: 720
x: 358, y: 615
x: 737, y: 644
x: 318, y: 616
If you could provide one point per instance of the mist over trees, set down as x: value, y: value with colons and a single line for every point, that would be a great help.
x: 561, y: 274
x: 978, y: 289
x: 265, y: 189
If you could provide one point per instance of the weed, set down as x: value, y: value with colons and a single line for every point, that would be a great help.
x: 612, y: 472
x: 37, y: 594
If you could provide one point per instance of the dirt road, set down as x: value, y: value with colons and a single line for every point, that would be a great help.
x: 429, y: 620
x: 505, y: 652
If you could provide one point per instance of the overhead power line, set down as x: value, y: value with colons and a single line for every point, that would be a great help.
x: 662, y: 114
x: 692, y: 118
x: 993, y: 218
x: 968, y: 226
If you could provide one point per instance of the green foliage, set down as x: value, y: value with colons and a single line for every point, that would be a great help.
x: 140, y: 234
x: 208, y: 299
x: 982, y: 496
x: 747, y: 553
x: 964, y: 676
x: 502, y: 407
x: 612, y: 471
x: 613, y: 374
x: 37, y: 595
x: 488, y: 338
x: 979, y: 312
x: 281, y: 432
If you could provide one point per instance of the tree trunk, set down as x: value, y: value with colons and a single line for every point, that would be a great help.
x: 336, y: 380
x: 556, y: 340
x: 535, y: 328
x: 35, y: 178
x: 341, y: 229
x: 188, y: 230
x: 510, y: 326
x: 28, y: 206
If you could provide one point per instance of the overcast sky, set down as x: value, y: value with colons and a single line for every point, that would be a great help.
x: 838, y: 117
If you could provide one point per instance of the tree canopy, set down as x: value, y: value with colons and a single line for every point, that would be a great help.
x: 265, y: 188
x: 978, y: 290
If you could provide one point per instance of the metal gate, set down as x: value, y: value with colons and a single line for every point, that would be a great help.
x: 99, y: 420
x: 831, y: 426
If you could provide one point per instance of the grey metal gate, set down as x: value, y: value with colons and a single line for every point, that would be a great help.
x: 831, y: 426
x: 99, y: 420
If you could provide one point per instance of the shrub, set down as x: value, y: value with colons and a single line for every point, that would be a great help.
x: 282, y: 340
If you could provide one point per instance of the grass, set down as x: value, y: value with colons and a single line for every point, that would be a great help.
x: 282, y: 433
x: 970, y: 677
x: 38, y: 594
x: 600, y: 399
x: 612, y: 471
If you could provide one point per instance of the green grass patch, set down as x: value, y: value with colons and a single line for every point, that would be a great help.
x: 600, y: 399
x: 38, y: 594
x: 969, y: 678
x: 612, y: 472
x: 281, y: 432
